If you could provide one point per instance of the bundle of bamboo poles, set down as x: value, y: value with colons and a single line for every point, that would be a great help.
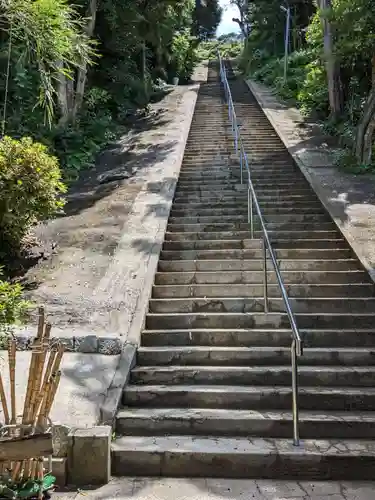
x: 43, y: 381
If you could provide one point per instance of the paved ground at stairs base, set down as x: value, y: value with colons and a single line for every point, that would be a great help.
x: 221, y: 489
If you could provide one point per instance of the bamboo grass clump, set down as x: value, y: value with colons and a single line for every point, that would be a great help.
x: 43, y: 381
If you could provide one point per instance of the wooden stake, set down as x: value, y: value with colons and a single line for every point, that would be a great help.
x: 43, y: 389
x: 40, y: 472
x: 57, y: 362
x: 4, y: 403
x: 52, y: 394
x: 12, y: 378
x: 37, y: 344
x: 33, y: 469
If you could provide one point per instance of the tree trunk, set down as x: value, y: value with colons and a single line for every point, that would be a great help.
x: 366, y: 126
x: 62, y: 97
x: 65, y: 97
x: 243, y: 7
x: 332, y: 68
x: 82, y: 72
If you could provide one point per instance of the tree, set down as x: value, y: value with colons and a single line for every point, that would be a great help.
x: 243, y: 20
x: 46, y: 35
x: 332, y: 65
x: 206, y: 18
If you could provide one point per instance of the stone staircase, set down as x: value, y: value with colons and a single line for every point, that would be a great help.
x: 211, y: 392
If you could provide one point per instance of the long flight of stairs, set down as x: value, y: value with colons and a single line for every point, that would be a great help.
x: 211, y: 392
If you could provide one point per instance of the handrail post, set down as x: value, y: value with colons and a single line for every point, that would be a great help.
x: 265, y: 278
x: 295, y: 393
x: 241, y: 163
x: 250, y: 217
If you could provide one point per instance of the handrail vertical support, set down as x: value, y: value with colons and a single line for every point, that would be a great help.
x: 241, y: 164
x: 295, y: 393
x: 250, y: 217
x: 265, y: 277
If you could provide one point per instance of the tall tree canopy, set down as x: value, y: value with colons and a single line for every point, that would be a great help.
x: 206, y: 18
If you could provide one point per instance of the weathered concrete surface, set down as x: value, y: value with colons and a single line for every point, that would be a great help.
x: 107, y: 242
x: 219, y: 489
x: 349, y: 198
x: 83, y: 387
x: 89, y: 457
x: 110, y: 403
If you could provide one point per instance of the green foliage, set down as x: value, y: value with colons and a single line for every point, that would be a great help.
x: 26, y: 489
x: 48, y: 36
x: 75, y: 77
x: 30, y: 188
x: 208, y: 50
x: 206, y: 18
x: 313, y: 93
x: 184, y: 55
x: 13, y: 307
x: 352, y: 24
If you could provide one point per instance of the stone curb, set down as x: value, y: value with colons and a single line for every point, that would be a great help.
x: 314, y: 182
x: 112, y: 398
x: 141, y: 308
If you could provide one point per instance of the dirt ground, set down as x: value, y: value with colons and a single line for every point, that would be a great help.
x: 99, y: 209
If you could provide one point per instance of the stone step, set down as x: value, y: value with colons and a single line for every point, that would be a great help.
x: 329, y: 250
x: 241, y: 190
x: 242, y: 457
x: 235, y: 219
x: 322, y: 376
x: 277, y: 242
x: 271, y: 221
x: 241, y: 199
x: 227, y: 320
x: 217, y: 262
x: 253, y: 355
x: 257, y: 277
x: 219, y: 184
x: 241, y: 211
x: 237, y: 290
x: 207, y: 176
x: 213, y: 304
x: 226, y: 171
x: 241, y: 397
x: 260, y: 337
x: 224, y: 199
x: 235, y: 423
x: 238, y: 204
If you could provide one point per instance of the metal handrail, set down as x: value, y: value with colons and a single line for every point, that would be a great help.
x: 252, y: 200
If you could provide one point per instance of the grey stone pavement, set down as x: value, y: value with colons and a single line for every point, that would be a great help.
x: 222, y: 489
x: 84, y: 382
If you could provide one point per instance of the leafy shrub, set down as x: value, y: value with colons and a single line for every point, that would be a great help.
x: 12, y: 306
x: 30, y: 188
x: 313, y: 95
x: 184, y: 56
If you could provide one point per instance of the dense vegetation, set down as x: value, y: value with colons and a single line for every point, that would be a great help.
x: 331, y: 64
x: 74, y: 73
